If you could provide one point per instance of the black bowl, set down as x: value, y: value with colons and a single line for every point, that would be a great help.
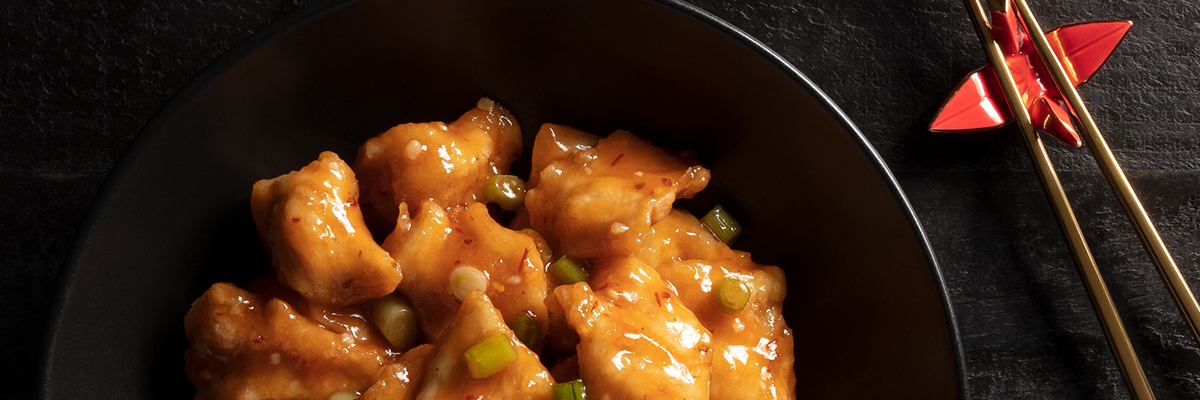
x: 865, y: 298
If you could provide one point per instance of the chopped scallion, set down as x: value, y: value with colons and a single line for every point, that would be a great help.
x: 722, y: 224
x: 572, y: 390
x: 527, y: 329
x: 732, y: 294
x: 489, y: 356
x: 464, y: 279
x: 507, y: 191
x: 397, y: 320
x: 568, y: 271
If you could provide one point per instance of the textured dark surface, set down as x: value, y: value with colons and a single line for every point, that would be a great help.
x: 78, y: 81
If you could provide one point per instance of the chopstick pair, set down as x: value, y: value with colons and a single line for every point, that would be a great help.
x: 1114, y: 331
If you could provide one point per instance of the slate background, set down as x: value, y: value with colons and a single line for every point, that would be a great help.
x: 78, y: 80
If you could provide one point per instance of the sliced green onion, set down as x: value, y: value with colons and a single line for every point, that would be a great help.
x: 508, y: 191
x: 572, y: 390
x: 722, y: 224
x: 733, y: 294
x: 343, y: 396
x: 397, y: 320
x: 465, y: 279
x: 489, y: 356
x: 527, y: 329
x: 568, y: 271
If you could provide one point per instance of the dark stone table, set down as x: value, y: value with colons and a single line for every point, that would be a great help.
x: 78, y: 80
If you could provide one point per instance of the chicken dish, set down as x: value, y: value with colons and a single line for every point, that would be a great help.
x: 427, y: 269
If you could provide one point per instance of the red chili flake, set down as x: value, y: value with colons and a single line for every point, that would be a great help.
x: 616, y: 160
x: 467, y: 241
x: 294, y: 220
x: 658, y: 298
x: 456, y: 262
x: 524, y: 257
x: 258, y: 339
x: 666, y: 182
x: 360, y: 254
x: 346, y: 284
x: 351, y: 202
x: 639, y: 186
x: 220, y: 314
x: 457, y: 229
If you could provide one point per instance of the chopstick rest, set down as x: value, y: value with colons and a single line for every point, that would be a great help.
x: 978, y: 103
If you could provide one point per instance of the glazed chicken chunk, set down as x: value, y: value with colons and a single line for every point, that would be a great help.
x: 753, y: 345
x: 310, y: 223
x: 400, y: 380
x: 637, y: 339
x: 598, y: 197
x: 446, y: 253
x: 250, y: 346
x: 445, y: 163
x: 448, y: 376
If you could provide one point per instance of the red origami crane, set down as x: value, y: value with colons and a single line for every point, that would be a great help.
x: 978, y: 102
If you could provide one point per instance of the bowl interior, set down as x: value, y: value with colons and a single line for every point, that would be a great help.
x: 865, y: 301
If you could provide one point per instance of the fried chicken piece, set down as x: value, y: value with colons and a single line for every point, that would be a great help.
x: 448, y: 164
x: 250, y: 346
x: 310, y: 222
x: 435, y: 242
x: 753, y: 346
x: 600, y: 201
x: 447, y: 375
x: 638, y: 341
x: 400, y: 380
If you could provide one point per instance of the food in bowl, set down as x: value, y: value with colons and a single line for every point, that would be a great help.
x: 589, y: 282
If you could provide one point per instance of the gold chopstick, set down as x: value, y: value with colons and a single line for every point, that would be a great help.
x: 1114, y: 331
x: 1116, y: 178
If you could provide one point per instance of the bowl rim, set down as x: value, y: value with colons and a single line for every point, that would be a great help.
x: 231, y: 57
x: 873, y: 156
